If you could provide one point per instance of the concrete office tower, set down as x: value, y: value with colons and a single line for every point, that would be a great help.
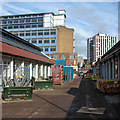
x: 37, y: 28
x: 98, y: 45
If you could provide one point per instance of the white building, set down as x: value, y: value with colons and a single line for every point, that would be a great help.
x: 37, y: 28
x: 98, y: 45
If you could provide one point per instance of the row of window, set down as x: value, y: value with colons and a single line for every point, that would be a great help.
x: 48, y: 49
x: 22, y: 16
x: 22, y: 26
x: 23, y: 21
x: 64, y: 56
x: 35, y: 33
x: 40, y: 41
x: 21, y: 45
x: 107, y: 38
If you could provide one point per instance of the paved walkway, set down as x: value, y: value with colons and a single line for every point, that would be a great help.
x: 62, y: 102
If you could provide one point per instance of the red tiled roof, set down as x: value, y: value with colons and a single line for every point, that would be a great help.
x: 23, y: 53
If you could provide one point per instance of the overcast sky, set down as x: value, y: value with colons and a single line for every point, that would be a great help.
x: 86, y: 18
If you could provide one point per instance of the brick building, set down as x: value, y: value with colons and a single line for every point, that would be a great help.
x: 71, y: 58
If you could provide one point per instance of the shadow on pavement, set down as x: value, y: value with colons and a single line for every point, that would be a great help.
x: 87, y: 96
x: 73, y: 91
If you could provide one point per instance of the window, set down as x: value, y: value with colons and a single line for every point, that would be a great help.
x: 40, y: 41
x: 34, y: 41
x: 34, y: 20
x: 10, y: 21
x: 21, y: 26
x: 56, y: 56
x: 40, y: 25
x: 52, y: 41
x: 27, y: 20
x: 46, y: 33
x: 53, y: 33
x: 9, y: 27
x: 27, y: 26
x: 52, y: 49
x: 4, y: 27
x: 33, y: 34
x: 46, y: 49
x: 15, y: 21
x: 22, y: 21
x: 34, y: 26
x: 40, y: 33
x: 4, y: 22
x: 21, y: 34
x: 15, y: 26
x: 72, y: 56
x: 27, y: 34
x: 63, y: 56
x: 46, y: 41
x: 40, y: 20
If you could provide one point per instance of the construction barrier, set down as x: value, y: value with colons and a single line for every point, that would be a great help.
x: 95, y: 77
x: 87, y: 76
x: 108, y: 86
x: 57, y: 73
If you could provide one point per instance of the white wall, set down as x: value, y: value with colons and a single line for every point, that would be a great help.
x: 59, y: 20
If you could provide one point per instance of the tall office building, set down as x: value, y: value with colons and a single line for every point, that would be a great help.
x: 98, y: 45
x: 38, y: 28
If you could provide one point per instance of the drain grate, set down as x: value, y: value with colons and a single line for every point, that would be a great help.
x: 92, y: 110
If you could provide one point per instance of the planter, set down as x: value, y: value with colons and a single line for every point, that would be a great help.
x: 45, y: 84
x: 17, y: 93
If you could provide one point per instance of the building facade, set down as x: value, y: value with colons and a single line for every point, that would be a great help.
x: 90, y: 52
x: 71, y: 58
x: 36, y: 28
x: 109, y: 64
x: 98, y: 45
x: 65, y: 40
x: 80, y: 60
x: 21, y: 60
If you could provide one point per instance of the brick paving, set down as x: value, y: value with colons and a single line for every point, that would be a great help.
x: 63, y: 101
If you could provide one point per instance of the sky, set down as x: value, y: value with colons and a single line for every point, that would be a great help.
x: 86, y: 18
